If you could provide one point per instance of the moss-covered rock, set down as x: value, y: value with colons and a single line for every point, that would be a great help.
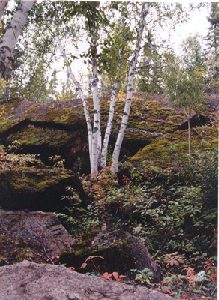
x: 165, y: 148
x: 48, y: 129
x: 32, y: 135
x: 121, y: 252
x: 37, y: 188
x: 59, y: 127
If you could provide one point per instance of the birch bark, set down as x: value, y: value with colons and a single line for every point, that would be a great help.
x: 112, y: 104
x: 11, y: 35
x: 116, y: 152
x: 81, y: 95
x: 97, y: 139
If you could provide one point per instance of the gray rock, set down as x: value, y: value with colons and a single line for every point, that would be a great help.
x: 28, y: 280
x: 40, y: 231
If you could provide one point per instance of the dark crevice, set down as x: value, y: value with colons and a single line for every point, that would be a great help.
x: 58, y: 126
x: 41, y: 124
x: 196, y: 121
x: 4, y: 135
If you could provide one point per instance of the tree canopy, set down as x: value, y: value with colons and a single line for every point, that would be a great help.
x: 122, y: 49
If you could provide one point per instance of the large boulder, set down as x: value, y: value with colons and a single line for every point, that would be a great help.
x: 48, y: 129
x: 59, y: 127
x: 28, y: 280
x: 121, y: 252
x: 38, y: 236
x: 37, y: 188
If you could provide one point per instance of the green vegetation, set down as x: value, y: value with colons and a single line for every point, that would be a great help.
x: 167, y: 199
x: 162, y: 195
x: 170, y: 147
x: 173, y: 209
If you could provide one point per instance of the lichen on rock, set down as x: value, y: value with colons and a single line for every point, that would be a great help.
x: 28, y: 280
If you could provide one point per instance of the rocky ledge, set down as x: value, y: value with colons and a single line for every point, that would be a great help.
x: 28, y: 280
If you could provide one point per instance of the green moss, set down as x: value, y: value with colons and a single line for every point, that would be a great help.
x: 27, y: 179
x: 56, y: 111
x: 40, y: 136
x: 163, y: 149
x: 175, y: 119
x: 115, y: 252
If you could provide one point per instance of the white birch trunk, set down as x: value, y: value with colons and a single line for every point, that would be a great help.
x: 112, y: 105
x: 96, y: 143
x: 97, y: 139
x: 108, y: 127
x: 11, y: 35
x: 81, y: 95
x: 116, y: 152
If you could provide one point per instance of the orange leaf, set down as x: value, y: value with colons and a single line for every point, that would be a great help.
x: 115, y: 275
x: 83, y: 266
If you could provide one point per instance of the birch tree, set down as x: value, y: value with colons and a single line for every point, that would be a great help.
x: 133, y: 62
x: 97, y: 149
x: 93, y: 20
x: 98, y: 157
x: 81, y: 95
x: 92, y: 23
x: 11, y: 35
x: 113, y: 94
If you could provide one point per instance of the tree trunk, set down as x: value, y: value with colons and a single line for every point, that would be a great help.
x: 189, y: 129
x: 97, y: 139
x: 81, y: 95
x: 189, y: 136
x: 11, y: 35
x: 108, y: 127
x: 112, y: 105
x: 116, y: 152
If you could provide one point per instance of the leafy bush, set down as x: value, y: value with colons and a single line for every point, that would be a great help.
x: 172, y: 209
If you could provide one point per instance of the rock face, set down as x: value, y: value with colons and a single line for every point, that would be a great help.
x: 121, y: 252
x: 27, y: 280
x: 37, y: 188
x: 35, y: 235
x: 46, y: 129
x: 59, y: 128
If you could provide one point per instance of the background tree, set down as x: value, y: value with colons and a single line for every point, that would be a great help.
x: 116, y: 56
x: 3, y: 5
x: 184, y: 79
x: 11, y: 35
x: 213, y: 49
x: 193, y: 54
x: 150, y: 68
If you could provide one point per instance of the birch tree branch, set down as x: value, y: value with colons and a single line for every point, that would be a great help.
x: 11, y: 35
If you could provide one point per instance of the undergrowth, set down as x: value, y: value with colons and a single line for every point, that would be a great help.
x: 172, y: 209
